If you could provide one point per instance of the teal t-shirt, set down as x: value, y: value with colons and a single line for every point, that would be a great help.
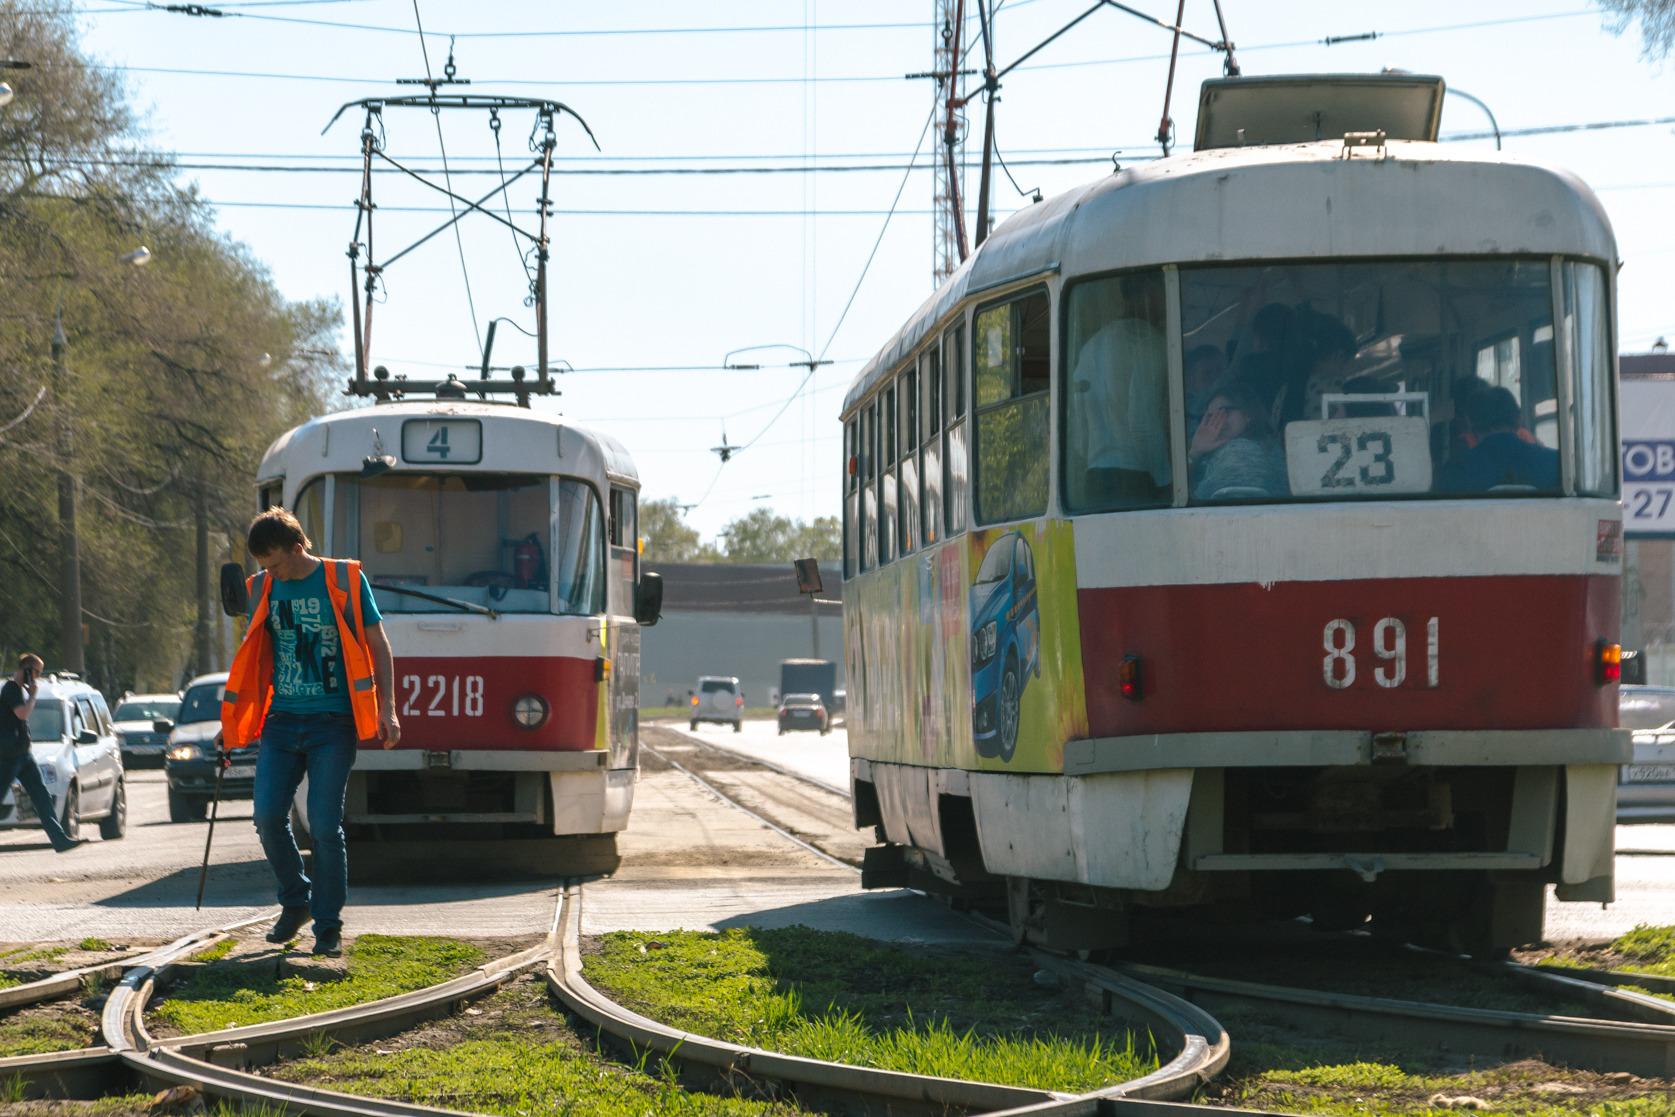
x: 308, y: 675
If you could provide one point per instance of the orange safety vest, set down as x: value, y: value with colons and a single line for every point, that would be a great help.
x: 249, y: 692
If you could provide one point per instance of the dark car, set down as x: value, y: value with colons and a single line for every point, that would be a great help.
x: 804, y: 711
x: 1005, y: 642
x: 1646, y: 784
x: 190, y: 762
x: 136, y: 718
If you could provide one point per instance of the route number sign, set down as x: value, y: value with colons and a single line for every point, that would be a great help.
x: 1386, y: 454
x: 442, y: 441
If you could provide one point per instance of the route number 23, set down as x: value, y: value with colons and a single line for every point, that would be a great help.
x: 447, y: 696
x: 1389, y: 649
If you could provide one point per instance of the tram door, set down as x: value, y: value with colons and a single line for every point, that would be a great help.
x: 621, y: 635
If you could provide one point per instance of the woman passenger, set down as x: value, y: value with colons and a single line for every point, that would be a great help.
x: 1234, y: 452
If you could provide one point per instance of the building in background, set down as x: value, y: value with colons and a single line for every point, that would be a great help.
x: 1647, y: 409
x: 737, y: 619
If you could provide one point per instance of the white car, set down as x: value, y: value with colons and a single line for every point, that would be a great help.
x: 1646, y: 785
x: 719, y: 699
x: 136, y: 720
x: 74, y: 743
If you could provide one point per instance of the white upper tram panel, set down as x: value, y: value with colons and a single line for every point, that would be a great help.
x: 1319, y: 199
x: 514, y: 440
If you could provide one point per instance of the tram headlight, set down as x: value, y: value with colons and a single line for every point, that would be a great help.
x: 983, y: 644
x: 530, y: 711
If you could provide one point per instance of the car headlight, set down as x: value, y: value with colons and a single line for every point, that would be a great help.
x: 530, y: 711
x: 983, y: 644
x: 184, y: 752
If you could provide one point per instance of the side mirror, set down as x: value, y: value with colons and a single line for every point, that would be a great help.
x: 87, y: 737
x: 648, y: 600
x: 235, y: 596
x: 162, y: 725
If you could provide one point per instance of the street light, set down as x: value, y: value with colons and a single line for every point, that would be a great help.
x: 69, y: 606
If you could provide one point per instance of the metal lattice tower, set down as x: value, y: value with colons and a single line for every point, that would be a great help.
x: 949, y: 190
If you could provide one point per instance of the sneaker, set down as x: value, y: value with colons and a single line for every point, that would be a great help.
x: 327, y: 944
x: 290, y: 921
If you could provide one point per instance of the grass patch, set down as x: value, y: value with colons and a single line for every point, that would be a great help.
x: 1648, y: 949
x: 217, y: 952
x: 518, y: 1058
x: 38, y: 1029
x: 841, y: 997
x: 237, y: 990
x: 94, y: 944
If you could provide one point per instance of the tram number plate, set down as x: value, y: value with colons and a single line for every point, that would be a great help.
x: 1345, y: 457
x: 1649, y: 773
x: 1385, y: 650
x: 441, y: 696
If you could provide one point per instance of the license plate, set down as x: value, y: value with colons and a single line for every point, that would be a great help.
x: 1650, y: 773
x: 241, y: 772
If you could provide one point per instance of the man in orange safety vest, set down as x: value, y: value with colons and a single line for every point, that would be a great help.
x: 312, y: 679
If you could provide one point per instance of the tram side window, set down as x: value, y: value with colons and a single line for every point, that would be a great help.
x: 908, y: 472
x: 311, y: 512
x: 1588, y: 323
x: 1011, y: 372
x: 869, y: 495
x: 579, y: 563
x: 851, y: 482
x: 1116, y: 395
x: 956, y: 468
x: 887, y: 476
x: 930, y: 464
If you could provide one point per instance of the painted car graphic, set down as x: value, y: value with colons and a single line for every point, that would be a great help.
x: 1005, y: 642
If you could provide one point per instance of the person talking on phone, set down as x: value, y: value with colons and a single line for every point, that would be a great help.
x: 17, y: 702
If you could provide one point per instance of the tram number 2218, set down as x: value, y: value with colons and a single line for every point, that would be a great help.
x: 1389, y: 653
x: 442, y: 696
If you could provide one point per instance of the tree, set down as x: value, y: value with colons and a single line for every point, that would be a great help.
x: 1657, y: 23
x: 668, y: 538
x: 174, y: 379
x: 764, y: 536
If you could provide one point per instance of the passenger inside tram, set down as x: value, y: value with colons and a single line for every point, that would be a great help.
x: 1500, y: 459
x: 1235, y: 453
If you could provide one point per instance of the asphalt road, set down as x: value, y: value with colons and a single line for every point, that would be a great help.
x: 144, y: 885
x: 1645, y: 851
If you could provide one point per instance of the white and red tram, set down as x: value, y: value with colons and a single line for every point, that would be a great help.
x: 501, y: 544
x: 1254, y: 515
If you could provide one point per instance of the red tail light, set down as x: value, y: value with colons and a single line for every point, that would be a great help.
x: 1129, y: 677
x: 1609, y: 663
x: 739, y: 700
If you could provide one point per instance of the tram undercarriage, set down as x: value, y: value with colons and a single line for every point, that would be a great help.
x: 1457, y: 856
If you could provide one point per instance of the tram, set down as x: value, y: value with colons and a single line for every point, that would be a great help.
x: 1254, y: 515
x: 502, y: 547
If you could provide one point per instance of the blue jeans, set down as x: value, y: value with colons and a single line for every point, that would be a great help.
x: 322, y: 747
x: 24, y: 770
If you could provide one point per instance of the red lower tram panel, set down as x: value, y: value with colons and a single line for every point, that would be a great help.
x: 473, y: 703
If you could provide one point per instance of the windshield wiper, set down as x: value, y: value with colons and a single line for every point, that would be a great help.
x: 439, y: 599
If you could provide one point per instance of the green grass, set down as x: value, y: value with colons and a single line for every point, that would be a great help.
x: 523, y: 1060
x: 1376, y: 1089
x: 1648, y: 949
x: 38, y: 1032
x: 94, y: 944
x: 18, y: 963
x: 840, y: 997
x: 234, y: 991
x: 217, y: 952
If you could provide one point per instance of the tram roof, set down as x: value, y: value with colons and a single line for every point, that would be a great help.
x: 594, y: 452
x: 1280, y: 202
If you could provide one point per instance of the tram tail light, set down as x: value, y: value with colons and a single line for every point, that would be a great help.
x: 1129, y: 677
x: 1608, y: 667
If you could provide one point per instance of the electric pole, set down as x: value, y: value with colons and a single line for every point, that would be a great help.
x: 69, y: 602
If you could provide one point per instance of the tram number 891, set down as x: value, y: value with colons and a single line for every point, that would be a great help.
x: 1389, y: 652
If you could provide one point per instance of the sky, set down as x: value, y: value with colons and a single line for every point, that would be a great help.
x: 657, y: 278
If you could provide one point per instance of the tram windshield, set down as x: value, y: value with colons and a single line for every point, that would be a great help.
x: 481, y: 539
x: 1401, y: 378
x: 1369, y: 380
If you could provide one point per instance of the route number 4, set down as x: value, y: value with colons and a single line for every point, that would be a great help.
x: 1389, y: 647
x: 438, y: 444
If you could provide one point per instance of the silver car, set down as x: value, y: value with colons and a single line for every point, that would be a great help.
x: 74, y: 742
x: 1646, y: 785
x: 136, y: 720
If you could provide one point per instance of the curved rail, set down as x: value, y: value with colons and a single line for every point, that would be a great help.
x: 1592, y: 1044
x: 1203, y: 1049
